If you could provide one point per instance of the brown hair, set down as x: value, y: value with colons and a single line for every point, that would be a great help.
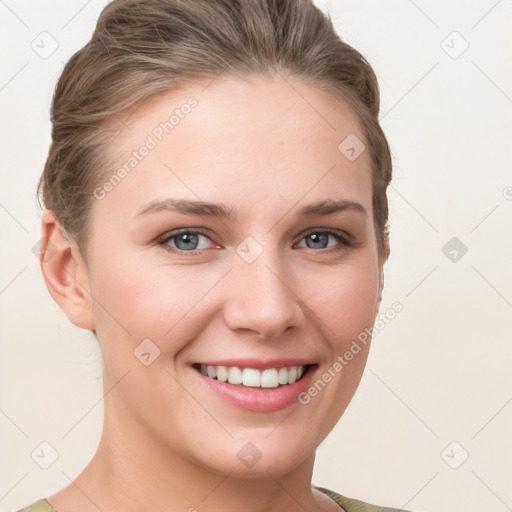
x: 140, y: 49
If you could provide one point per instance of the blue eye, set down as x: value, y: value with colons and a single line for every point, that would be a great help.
x: 320, y: 240
x: 185, y: 241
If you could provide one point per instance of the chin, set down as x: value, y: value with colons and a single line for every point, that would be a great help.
x: 258, y: 455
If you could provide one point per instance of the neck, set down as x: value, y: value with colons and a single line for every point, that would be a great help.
x: 133, y: 470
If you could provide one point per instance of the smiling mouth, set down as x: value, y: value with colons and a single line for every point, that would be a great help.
x: 253, y: 378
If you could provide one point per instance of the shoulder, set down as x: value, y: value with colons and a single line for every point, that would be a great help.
x: 39, y: 506
x: 352, y: 505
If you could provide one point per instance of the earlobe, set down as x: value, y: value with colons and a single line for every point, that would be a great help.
x: 381, y: 285
x: 65, y: 273
x: 381, y: 288
x: 381, y: 274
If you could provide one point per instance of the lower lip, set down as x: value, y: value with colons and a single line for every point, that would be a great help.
x: 259, y: 399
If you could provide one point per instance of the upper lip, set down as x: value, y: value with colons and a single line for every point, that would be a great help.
x: 259, y: 364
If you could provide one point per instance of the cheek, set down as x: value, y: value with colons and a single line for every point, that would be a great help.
x: 345, y: 299
x: 165, y: 303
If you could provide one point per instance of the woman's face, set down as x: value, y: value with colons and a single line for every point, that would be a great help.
x: 258, y: 278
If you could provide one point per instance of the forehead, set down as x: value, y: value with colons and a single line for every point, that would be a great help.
x: 261, y: 139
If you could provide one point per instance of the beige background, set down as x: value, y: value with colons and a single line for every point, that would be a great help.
x: 437, y: 387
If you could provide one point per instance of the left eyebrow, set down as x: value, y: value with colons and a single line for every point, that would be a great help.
x: 329, y: 207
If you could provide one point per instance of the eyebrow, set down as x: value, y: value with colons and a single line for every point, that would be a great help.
x: 329, y: 207
x: 188, y: 207
x: 219, y: 210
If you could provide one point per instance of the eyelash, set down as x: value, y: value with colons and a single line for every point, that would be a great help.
x: 163, y: 240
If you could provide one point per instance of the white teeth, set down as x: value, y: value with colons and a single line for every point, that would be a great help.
x: 283, y: 376
x: 222, y: 373
x: 269, y: 378
x: 234, y: 375
x: 250, y: 377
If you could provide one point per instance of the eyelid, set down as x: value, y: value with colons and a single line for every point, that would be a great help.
x: 332, y: 231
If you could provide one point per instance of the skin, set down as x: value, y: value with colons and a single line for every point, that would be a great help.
x: 168, y: 443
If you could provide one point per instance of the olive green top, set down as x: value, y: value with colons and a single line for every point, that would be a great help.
x: 347, y: 504
x: 352, y: 505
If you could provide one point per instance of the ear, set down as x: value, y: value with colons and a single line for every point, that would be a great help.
x: 65, y: 273
x: 381, y: 285
x: 381, y: 274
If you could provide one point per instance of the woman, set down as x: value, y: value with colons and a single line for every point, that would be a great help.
x: 216, y: 214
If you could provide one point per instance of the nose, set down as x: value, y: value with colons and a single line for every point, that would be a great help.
x: 262, y: 298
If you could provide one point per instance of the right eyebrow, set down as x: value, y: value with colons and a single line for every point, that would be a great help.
x: 188, y: 207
